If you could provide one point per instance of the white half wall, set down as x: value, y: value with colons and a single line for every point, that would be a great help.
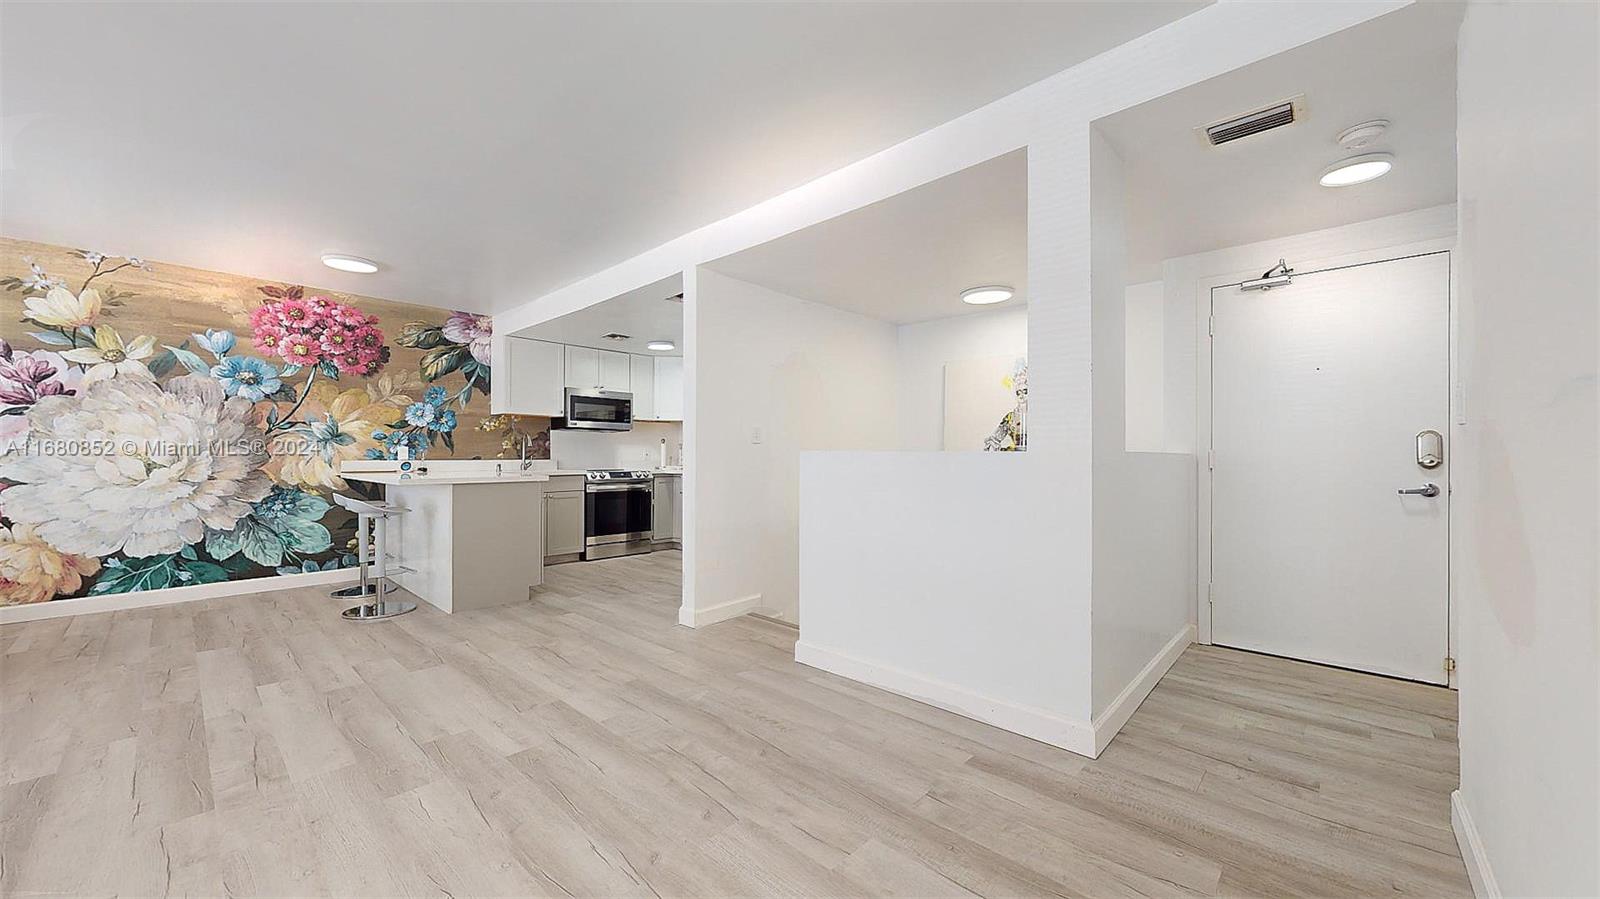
x: 913, y: 578
x: 775, y: 375
x: 925, y: 347
x: 1527, y: 470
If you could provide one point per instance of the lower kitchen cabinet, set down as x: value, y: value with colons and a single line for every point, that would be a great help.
x: 667, y: 510
x: 563, y: 525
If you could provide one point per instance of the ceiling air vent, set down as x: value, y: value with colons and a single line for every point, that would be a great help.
x: 1274, y: 116
x: 615, y: 336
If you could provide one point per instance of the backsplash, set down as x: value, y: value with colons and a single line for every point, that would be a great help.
x: 165, y: 426
x: 638, y: 448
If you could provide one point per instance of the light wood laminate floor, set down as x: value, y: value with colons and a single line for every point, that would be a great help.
x: 582, y: 744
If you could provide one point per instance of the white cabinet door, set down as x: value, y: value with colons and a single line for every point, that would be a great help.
x: 534, y: 377
x: 667, y: 509
x: 563, y: 523
x: 583, y: 367
x: 669, y: 388
x: 1320, y: 391
x: 614, y: 371
x: 677, y: 508
x: 642, y: 384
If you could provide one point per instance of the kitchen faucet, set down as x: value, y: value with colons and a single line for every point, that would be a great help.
x: 526, y: 462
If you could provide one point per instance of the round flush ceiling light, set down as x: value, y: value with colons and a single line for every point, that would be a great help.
x: 1357, y: 170
x: 661, y: 346
x: 986, y: 296
x: 346, y: 263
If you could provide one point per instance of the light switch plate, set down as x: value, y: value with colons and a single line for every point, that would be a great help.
x: 756, y: 435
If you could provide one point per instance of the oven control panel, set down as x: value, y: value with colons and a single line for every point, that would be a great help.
x: 617, y: 475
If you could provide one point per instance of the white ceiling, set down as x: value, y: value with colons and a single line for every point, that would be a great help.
x: 1185, y: 196
x: 644, y: 314
x: 907, y: 259
x: 483, y: 153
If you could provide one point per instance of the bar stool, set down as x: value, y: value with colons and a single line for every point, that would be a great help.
x: 374, y: 516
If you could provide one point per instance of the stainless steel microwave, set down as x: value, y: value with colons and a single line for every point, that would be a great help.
x: 597, y: 410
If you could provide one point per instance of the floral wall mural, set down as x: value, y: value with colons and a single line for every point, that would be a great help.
x: 163, y: 426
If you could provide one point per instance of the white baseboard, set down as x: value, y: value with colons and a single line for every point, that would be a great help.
x: 720, y: 612
x: 1484, y: 886
x: 1039, y: 724
x: 84, y: 605
x: 1108, y: 722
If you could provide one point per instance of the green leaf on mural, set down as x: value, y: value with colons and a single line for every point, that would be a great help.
x: 421, y: 336
x: 190, y: 361
x: 53, y: 338
x: 439, y: 362
x: 328, y: 370
x: 283, y: 523
x: 135, y: 575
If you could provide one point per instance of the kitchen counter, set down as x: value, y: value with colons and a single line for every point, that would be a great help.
x: 395, y: 479
x: 471, y: 540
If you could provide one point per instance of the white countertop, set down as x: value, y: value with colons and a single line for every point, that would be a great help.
x: 440, y: 480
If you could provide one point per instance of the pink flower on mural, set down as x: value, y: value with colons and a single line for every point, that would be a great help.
x: 476, y: 331
x: 307, y: 331
x: 25, y: 377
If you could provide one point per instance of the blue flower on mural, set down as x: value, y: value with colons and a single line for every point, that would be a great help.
x: 217, y: 343
x: 420, y: 414
x: 251, y: 378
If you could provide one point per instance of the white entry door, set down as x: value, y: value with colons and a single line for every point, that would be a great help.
x: 1319, y: 392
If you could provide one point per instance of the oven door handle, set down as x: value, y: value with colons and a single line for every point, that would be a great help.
x: 612, y: 488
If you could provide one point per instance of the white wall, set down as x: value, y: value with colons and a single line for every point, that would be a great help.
x: 808, y: 376
x: 1526, y: 460
x: 638, y: 448
x: 1052, y: 119
x: 925, y: 347
x: 1143, y: 502
x: 1144, y: 367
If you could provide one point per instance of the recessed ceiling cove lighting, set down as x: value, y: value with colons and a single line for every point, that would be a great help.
x: 346, y: 263
x: 986, y: 296
x: 1357, y: 170
x: 660, y: 346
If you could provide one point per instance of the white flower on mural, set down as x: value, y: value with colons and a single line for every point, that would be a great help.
x: 61, y: 309
x: 110, y: 357
x: 136, y: 467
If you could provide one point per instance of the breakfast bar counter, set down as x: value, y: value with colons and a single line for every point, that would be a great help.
x: 469, y: 541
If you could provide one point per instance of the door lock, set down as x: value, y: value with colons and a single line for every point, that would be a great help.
x: 1430, y: 449
x: 1429, y: 489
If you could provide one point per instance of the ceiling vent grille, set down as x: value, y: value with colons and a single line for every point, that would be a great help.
x: 1275, y: 116
x: 616, y: 336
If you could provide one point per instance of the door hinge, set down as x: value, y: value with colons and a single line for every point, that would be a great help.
x: 1211, y: 460
x: 1449, y: 664
x: 1211, y: 593
x: 1211, y: 325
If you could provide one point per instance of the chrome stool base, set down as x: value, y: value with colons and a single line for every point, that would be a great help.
x: 385, y: 608
x: 371, y: 590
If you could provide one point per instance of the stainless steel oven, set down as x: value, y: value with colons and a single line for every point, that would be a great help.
x: 597, y: 410
x: 617, y: 513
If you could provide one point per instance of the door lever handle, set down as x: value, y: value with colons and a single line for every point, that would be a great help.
x: 1429, y: 489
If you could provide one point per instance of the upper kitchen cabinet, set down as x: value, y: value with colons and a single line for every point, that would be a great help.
x: 591, y: 369
x: 642, y: 384
x: 669, y: 388
x: 534, y: 383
